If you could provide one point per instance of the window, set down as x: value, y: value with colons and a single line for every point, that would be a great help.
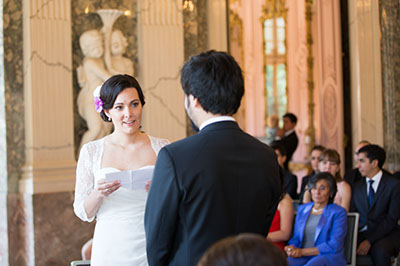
x: 274, y: 27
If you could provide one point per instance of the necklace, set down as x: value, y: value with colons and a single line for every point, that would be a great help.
x: 316, y: 210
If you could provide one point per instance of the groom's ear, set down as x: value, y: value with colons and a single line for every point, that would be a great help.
x: 194, y: 101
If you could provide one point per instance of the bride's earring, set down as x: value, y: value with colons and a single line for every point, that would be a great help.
x: 109, y: 119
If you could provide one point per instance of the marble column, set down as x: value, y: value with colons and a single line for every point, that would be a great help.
x: 390, y: 58
x: 195, y: 35
x: 3, y: 157
x: 161, y: 55
x: 49, y: 137
x: 365, y: 71
x: 217, y: 24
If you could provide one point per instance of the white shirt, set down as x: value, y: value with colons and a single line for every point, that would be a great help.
x: 377, y: 178
x: 215, y: 120
x: 287, y: 133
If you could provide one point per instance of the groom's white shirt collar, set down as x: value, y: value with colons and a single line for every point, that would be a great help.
x: 215, y: 120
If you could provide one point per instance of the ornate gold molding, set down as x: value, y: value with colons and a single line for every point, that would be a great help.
x: 310, y: 131
x: 236, y: 37
x: 274, y: 9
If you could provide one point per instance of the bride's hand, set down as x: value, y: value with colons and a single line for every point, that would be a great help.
x: 106, y: 188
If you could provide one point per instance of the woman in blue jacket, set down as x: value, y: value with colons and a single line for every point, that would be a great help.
x: 320, y: 227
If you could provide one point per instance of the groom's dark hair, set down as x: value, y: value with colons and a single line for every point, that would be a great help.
x: 216, y: 80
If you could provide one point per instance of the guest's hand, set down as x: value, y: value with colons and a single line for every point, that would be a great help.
x: 105, y: 189
x: 147, y: 187
x: 293, y: 252
x: 363, y: 248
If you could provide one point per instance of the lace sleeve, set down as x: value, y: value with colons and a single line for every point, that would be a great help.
x: 158, y: 143
x: 84, y: 182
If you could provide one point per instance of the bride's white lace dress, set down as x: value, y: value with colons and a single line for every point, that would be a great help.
x: 119, y: 237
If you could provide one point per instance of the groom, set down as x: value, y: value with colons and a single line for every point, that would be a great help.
x: 217, y: 183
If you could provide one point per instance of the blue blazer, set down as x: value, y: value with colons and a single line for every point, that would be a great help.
x: 329, y: 235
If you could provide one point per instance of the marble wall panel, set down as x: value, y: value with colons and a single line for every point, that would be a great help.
x: 13, y: 90
x: 82, y: 22
x: 390, y: 56
x: 3, y: 230
x: 59, y: 234
x: 43, y: 229
x: 195, y: 35
x: 20, y: 231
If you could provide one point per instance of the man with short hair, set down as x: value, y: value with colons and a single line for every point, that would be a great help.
x: 288, y: 137
x: 217, y: 183
x: 377, y: 199
x: 290, y: 180
x: 352, y: 176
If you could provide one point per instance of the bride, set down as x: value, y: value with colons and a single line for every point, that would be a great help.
x: 119, y: 237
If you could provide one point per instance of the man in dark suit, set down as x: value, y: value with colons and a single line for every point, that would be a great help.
x: 290, y: 180
x: 353, y: 176
x: 217, y: 183
x: 288, y: 137
x: 377, y: 199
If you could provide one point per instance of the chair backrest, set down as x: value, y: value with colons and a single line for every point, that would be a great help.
x: 350, y: 242
x: 296, y: 204
x: 80, y: 263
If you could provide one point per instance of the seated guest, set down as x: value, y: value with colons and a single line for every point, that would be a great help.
x: 330, y: 162
x: 320, y: 227
x: 290, y: 180
x: 281, y: 226
x: 242, y: 250
x: 377, y: 200
x: 287, y: 137
x: 352, y: 176
x: 315, y: 154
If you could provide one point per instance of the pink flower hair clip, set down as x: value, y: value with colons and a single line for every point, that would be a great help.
x: 98, y: 103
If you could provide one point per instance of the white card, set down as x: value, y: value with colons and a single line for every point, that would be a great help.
x: 123, y: 176
x: 132, y: 179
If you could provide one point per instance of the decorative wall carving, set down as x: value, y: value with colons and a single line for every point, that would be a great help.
x: 330, y: 74
x: 90, y: 20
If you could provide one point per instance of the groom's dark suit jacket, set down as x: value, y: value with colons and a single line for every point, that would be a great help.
x: 217, y: 183
x: 383, y: 216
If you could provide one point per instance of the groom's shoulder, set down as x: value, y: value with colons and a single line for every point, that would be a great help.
x: 184, y: 143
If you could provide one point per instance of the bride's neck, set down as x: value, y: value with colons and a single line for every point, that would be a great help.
x: 125, y: 140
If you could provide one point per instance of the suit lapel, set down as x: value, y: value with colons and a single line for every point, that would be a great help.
x: 380, y: 190
x: 321, y: 223
x: 363, y: 194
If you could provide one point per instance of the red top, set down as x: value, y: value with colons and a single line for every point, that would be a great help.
x: 276, y: 226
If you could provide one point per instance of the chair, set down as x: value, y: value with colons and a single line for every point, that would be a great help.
x: 296, y: 204
x: 80, y: 263
x: 350, y: 242
x: 367, y: 260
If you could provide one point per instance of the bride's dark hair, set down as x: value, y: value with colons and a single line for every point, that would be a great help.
x: 113, y: 86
